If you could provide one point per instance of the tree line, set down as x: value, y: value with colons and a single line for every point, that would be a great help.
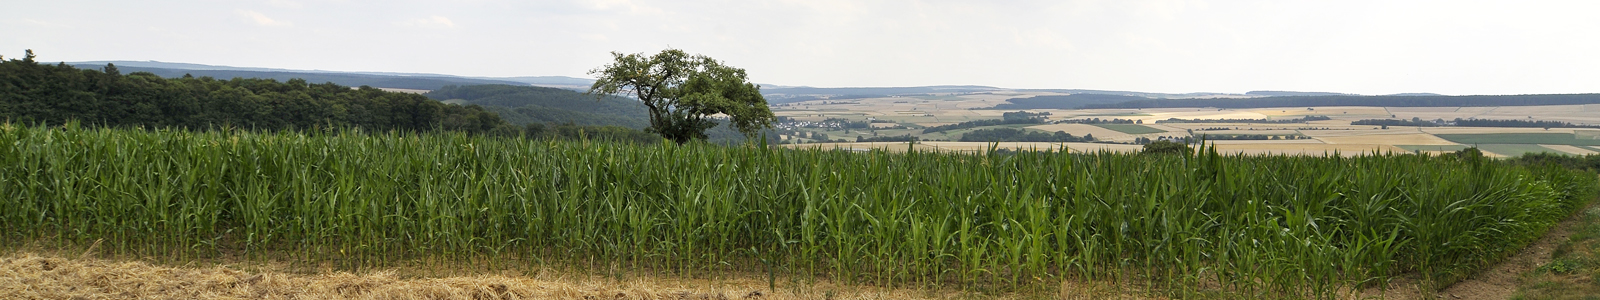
x: 35, y: 93
x: 1019, y: 135
x: 1014, y: 119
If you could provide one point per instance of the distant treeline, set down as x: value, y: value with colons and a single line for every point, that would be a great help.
x: 894, y: 138
x: 1418, y: 122
x: 1389, y: 101
x: 981, y: 123
x: 34, y: 93
x: 1589, y: 162
x: 345, y: 79
x: 1266, y: 121
x: 1249, y: 137
x: 1395, y: 122
x: 1099, y: 121
x: 1019, y: 135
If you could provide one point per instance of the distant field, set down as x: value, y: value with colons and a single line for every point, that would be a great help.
x: 1391, y: 139
x: 1445, y: 148
x: 1519, y: 138
x: 1130, y: 128
x: 1570, y: 149
x: 1516, y: 149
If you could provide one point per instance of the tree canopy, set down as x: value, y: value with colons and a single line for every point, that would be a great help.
x: 685, y: 93
x: 34, y: 93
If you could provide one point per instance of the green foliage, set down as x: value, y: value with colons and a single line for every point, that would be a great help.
x: 982, y: 123
x: 1589, y: 162
x: 1021, y: 135
x: 32, y: 93
x: 1258, y: 226
x: 591, y: 133
x: 1167, y: 147
x: 521, y: 105
x: 345, y: 79
x: 682, y: 93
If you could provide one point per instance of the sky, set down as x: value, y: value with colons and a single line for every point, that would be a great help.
x: 1456, y: 47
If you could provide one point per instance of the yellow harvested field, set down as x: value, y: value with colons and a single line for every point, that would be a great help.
x: 1307, y: 149
x: 1080, y: 130
x: 1274, y: 131
x: 1245, y: 142
x: 1449, y: 109
x: 1570, y: 149
x: 1074, y: 147
x: 1330, y: 111
x: 968, y: 146
x: 1388, y: 139
x: 1362, y: 132
x: 1204, y: 114
x: 1468, y: 130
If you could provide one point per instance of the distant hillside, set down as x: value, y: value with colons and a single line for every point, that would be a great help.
x: 1391, y: 101
x: 345, y: 79
x: 797, y: 94
x: 1294, y: 94
x: 530, y: 104
x: 1130, y: 93
x: 1074, y: 101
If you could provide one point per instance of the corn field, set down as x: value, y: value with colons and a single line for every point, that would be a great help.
x: 1290, y: 226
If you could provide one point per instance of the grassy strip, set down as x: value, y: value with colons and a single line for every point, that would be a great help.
x: 1573, y: 269
x: 1446, y: 148
x: 1256, y: 226
x: 1518, y: 138
x: 1130, y: 128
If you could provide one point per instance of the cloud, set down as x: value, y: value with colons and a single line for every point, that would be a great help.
x: 285, y: 4
x: 430, y: 22
x: 262, y: 20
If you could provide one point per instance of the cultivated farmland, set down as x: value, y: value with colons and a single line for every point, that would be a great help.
x: 1242, y: 225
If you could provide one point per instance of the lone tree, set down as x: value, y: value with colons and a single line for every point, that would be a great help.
x: 685, y: 93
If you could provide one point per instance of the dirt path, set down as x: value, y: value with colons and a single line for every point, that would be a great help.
x: 1500, y: 281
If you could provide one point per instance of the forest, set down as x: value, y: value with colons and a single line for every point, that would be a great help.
x: 56, y: 94
x: 34, y: 93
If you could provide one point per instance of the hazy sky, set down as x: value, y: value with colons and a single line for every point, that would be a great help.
x: 1354, y: 46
